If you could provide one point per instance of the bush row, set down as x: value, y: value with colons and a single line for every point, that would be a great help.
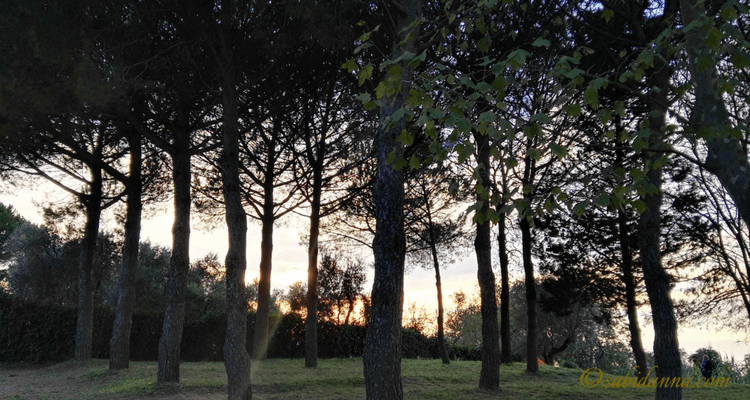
x: 46, y: 333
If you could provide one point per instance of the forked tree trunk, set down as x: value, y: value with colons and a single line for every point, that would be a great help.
x: 489, y: 376
x: 119, y: 345
x: 85, y: 319
x: 168, y: 368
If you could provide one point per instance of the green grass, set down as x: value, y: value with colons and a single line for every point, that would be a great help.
x: 343, y: 379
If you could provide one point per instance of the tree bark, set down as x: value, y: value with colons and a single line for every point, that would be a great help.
x: 119, y: 345
x: 382, y: 356
x: 439, y: 285
x: 260, y: 338
x: 441, y: 311
x: 532, y: 365
x: 489, y: 376
x: 236, y: 358
x: 658, y: 282
x: 505, y: 355
x: 632, y: 306
x: 382, y: 353
x: 85, y: 320
x: 311, y: 324
x: 168, y: 368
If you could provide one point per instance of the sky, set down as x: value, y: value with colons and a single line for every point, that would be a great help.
x: 290, y: 265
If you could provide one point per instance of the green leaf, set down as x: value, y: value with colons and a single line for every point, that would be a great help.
x: 573, y: 110
x: 400, y: 164
x: 620, y: 108
x: 599, y: 83
x: 415, y: 162
x: 350, y: 65
x: 517, y: 58
x: 540, y: 117
x: 592, y: 97
x: 539, y: 42
x: 573, y: 73
x: 579, y: 208
x: 640, y: 206
x: 436, y: 114
x: 406, y: 138
x: 636, y: 174
x: 487, y: 116
x: 728, y: 12
x: 608, y: 14
x: 713, y: 39
x: 364, y: 74
x: 559, y: 151
x: 398, y: 114
x: 363, y: 97
x: 380, y: 90
x: 603, y: 200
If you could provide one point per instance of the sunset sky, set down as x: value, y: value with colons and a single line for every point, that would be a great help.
x: 290, y: 265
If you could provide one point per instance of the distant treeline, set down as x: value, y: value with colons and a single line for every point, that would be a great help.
x: 46, y: 333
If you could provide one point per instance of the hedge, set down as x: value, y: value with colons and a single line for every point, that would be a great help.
x: 35, y: 333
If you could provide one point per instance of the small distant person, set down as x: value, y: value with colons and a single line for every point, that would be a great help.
x: 707, y: 367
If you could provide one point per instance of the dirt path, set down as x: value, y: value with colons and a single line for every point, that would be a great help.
x: 66, y: 381
x: 31, y: 382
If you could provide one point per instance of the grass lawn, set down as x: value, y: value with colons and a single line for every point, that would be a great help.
x: 333, y: 379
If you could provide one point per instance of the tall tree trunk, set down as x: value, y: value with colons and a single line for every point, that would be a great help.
x: 489, y: 376
x: 85, y: 320
x: 260, y: 338
x: 658, y: 281
x: 168, y: 368
x: 382, y: 356
x: 435, y: 262
x: 441, y: 311
x: 119, y: 345
x: 666, y: 347
x: 236, y: 358
x: 726, y: 159
x: 382, y: 353
x: 632, y: 306
x: 505, y: 354
x: 532, y: 364
x: 311, y: 324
